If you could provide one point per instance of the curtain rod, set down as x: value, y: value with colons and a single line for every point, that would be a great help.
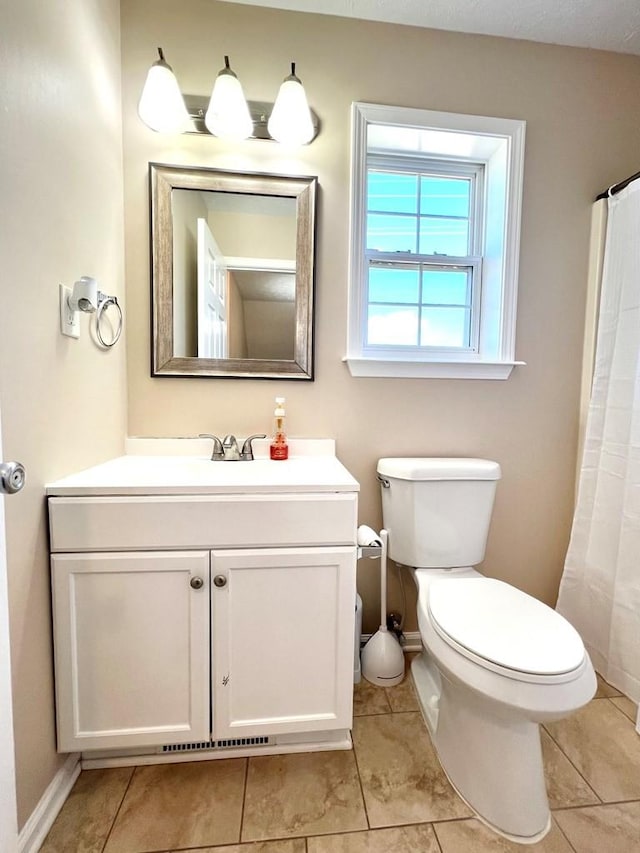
x: 616, y: 188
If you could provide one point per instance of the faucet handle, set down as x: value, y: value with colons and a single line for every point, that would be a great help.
x: 247, y: 447
x: 218, y: 452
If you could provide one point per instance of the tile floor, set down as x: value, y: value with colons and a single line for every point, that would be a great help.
x: 388, y: 795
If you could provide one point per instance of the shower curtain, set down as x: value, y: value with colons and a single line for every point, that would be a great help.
x: 600, y: 587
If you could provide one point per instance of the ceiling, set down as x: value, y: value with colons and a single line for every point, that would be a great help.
x: 604, y: 24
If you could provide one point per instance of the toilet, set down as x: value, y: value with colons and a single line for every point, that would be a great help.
x: 495, y: 662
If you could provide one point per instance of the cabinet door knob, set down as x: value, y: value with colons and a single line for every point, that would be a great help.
x: 196, y: 583
x: 220, y: 581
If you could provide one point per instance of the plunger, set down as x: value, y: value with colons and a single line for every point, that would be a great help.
x: 382, y: 657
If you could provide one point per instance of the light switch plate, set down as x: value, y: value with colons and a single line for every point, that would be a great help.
x: 69, y: 320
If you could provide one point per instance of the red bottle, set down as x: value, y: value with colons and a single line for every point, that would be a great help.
x: 279, y: 448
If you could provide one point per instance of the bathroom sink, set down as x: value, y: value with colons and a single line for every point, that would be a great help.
x: 145, y: 473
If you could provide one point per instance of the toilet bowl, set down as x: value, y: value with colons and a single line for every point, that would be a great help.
x: 483, y: 693
x: 495, y: 661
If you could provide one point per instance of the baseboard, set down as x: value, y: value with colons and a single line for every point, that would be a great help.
x: 342, y: 741
x: 35, y: 830
x: 411, y: 643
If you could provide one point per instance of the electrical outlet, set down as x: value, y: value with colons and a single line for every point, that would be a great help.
x: 69, y: 320
x: 394, y: 620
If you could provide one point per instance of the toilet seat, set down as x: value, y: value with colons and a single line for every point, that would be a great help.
x: 504, y: 629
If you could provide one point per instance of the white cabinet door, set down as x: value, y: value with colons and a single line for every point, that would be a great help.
x: 282, y: 637
x: 131, y: 649
x: 8, y: 818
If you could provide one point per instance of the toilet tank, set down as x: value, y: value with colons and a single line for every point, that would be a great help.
x: 437, y: 511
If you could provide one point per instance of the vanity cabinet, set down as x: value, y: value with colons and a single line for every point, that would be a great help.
x: 197, y: 618
x: 282, y: 640
x: 131, y: 648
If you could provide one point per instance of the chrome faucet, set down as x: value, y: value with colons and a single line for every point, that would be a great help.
x: 227, y: 449
x: 230, y: 448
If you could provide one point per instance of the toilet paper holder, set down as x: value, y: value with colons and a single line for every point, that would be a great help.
x: 369, y: 551
x: 369, y: 542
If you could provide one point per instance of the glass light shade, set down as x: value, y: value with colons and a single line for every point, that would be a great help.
x: 290, y: 121
x: 161, y: 105
x: 228, y: 115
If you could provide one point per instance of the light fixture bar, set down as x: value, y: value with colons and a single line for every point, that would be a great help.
x: 259, y: 110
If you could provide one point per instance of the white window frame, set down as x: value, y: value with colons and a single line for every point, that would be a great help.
x: 497, y: 146
x: 473, y: 260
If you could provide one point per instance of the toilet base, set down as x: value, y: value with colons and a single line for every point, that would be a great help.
x: 492, y: 757
x: 518, y: 839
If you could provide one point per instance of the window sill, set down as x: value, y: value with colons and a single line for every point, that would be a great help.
x: 397, y: 369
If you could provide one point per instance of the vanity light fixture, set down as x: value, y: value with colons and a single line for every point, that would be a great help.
x: 290, y: 122
x: 227, y: 114
x: 161, y: 106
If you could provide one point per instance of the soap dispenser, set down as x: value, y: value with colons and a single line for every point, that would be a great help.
x: 279, y: 448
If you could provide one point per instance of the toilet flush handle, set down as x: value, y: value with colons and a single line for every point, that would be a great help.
x: 383, y: 482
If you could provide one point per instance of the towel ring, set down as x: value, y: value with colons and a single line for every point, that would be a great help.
x: 103, y: 303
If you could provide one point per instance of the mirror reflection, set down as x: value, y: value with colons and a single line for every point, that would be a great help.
x: 232, y: 273
x: 234, y: 259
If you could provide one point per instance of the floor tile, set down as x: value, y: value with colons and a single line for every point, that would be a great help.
x: 628, y: 708
x: 402, y: 839
x: 289, y: 845
x: 401, y: 777
x: 172, y: 806
x: 86, y: 817
x: 369, y: 699
x: 565, y: 786
x: 302, y: 794
x: 472, y: 836
x: 403, y: 697
x: 614, y: 828
x: 602, y: 743
x: 604, y: 689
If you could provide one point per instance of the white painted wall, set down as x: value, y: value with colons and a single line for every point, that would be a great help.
x: 63, y: 400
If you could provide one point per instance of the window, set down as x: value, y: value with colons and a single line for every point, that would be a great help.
x: 434, y: 243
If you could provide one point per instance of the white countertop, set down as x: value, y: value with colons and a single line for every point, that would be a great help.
x: 179, y: 467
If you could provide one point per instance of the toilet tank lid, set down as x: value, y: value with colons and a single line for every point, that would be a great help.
x: 438, y: 468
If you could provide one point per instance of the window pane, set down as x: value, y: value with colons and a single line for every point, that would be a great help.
x: 389, y: 233
x: 445, y: 196
x: 392, y: 192
x: 444, y: 236
x: 391, y: 324
x: 444, y: 327
x: 446, y: 287
x: 394, y: 284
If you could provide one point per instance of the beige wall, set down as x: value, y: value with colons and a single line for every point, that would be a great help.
x: 63, y: 400
x: 246, y: 235
x: 236, y: 327
x: 583, y: 133
x: 270, y: 329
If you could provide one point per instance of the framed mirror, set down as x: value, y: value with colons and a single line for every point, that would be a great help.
x: 232, y: 273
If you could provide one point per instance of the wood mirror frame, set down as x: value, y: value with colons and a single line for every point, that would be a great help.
x: 163, y: 180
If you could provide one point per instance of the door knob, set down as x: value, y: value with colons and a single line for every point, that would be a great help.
x: 12, y: 477
x: 196, y: 583
x: 220, y: 581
